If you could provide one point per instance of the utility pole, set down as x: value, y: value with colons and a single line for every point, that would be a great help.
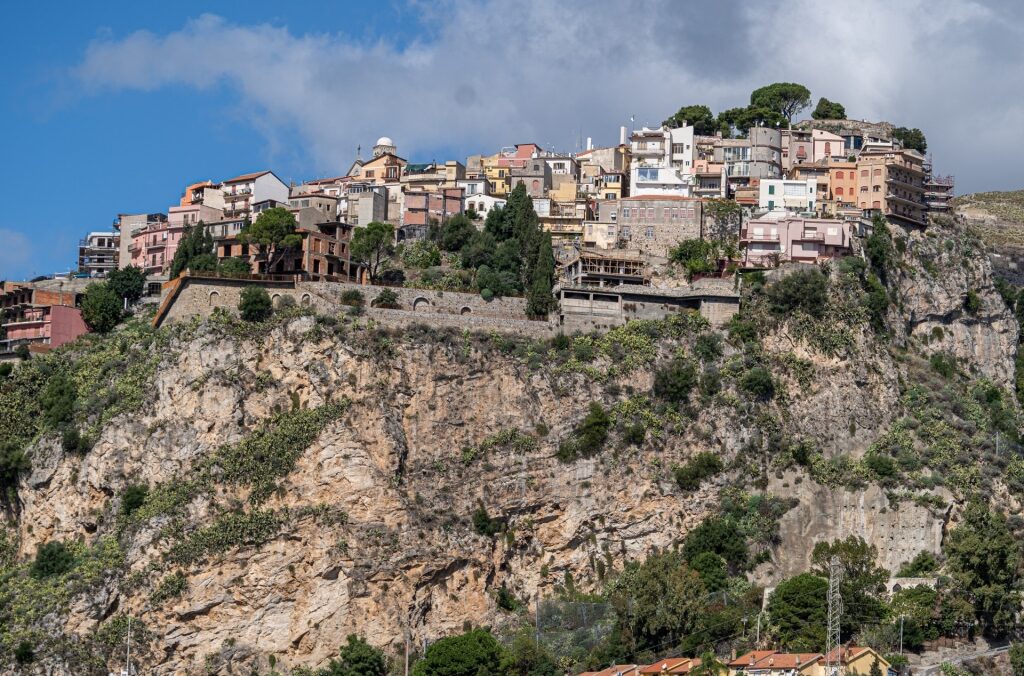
x: 901, y: 634
x: 833, y: 647
x: 406, y: 650
x: 128, y: 652
x: 536, y: 617
x: 757, y: 638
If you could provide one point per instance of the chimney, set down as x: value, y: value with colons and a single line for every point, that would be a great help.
x: 622, y: 136
x: 590, y: 143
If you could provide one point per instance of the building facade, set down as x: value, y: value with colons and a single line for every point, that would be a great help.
x: 797, y: 196
x: 662, y: 162
x: 98, y: 253
x: 891, y: 183
x: 40, y: 315
x: 768, y: 241
x: 242, y: 192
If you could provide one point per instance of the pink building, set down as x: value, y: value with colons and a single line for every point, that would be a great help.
x: 40, y: 315
x: 769, y: 241
x: 152, y: 248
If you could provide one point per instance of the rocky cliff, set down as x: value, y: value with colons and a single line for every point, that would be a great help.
x: 318, y: 476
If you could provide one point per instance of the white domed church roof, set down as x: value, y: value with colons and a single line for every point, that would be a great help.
x: 384, y: 141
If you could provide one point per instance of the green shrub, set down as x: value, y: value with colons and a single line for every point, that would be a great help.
x: 421, y: 254
x: 483, y: 524
x: 24, y: 653
x: 387, y: 298
x: 718, y: 535
x: 255, y: 304
x: 133, y: 497
x: 922, y: 565
x: 74, y: 442
x: 507, y: 600
x: 741, y: 331
x: 711, y: 382
x: 470, y: 654
x: 589, y: 436
x: 758, y: 382
x: 882, y: 466
x: 674, y: 381
x: 352, y: 297
x: 23, y: 352
x: 972, y: 302
x: 708, y: 347
x: 561, y: 342
x: 944, y: 364
x: 878, y: 247
x: 285, y: 302
x: 58, y: 399
x: 6, y: 369
x: 52, y: 559
x: 171, y: 587
x: 487, y: 295
x: 635, y: 434
x: 700, y: 467
x: 805, y: 290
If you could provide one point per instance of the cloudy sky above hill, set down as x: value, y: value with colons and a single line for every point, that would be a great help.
x: 115, y: 110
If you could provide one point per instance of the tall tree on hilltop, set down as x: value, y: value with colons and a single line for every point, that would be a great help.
x: 196, y: 244
x: 524, y: 226
x: 912, y: 139
x: 273, y: 233
x: 372, y: 246
x: 785, y: 98
x: 128, y: 282
x: 700, y: 117
x: 539, y: 301
x: 828, y: 110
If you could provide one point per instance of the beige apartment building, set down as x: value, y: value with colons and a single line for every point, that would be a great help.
x: 891, y: 182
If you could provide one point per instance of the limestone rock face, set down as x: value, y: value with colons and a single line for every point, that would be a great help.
x: 377, y: 534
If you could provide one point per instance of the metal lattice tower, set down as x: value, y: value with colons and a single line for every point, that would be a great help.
x: 833, y: 659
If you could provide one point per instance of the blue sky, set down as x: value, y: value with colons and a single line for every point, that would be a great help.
x: 113, y: 107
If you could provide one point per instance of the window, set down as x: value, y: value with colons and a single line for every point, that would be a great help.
x: 612, y: 215
x: 369, y: 173
x: 649, y: 233
x: 647, y: 174
x: 839, y: 174
x: 876, y: 172
x: 771, y: 204
x: 839, y: 191
x: 650, y: 213
x: 863, y: 173
x: 771, y: 190
x: 501, y: 173
x: 876, y: 188
x: 625, y: 212
x: 609, y: 195
x: 876, y: 205
x: 536, y: 167
x: 625, y: 232
x: 678, y: 148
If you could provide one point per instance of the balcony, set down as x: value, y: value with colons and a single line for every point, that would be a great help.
x: 763, y: 237
x: 813, y: 236
x: 903, y: 200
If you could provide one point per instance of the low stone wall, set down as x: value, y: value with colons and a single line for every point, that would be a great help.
x: 426, y: 301
x: 200, y: 296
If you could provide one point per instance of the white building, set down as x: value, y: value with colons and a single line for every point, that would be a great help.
x: 662, y: 162
x: 472, y: 187
x: 241, y: 192
x: 797, y: 196
x: 482, y: 204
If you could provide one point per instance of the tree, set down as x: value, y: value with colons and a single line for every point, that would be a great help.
x: 709, y: 665
x: 13, y: 462
x: 758, y: 382
x: 128, y: 282
x: 721, y: 536
x: 741, y: 120
x: 527, y: 657
x: 725, y: 215
x: 712, y: 570
x: 386, y: 298
x: 983, y: 559
x: 918, y: 606
x: 101, y: 307
x: 659, y: 601
x: 799, y: 610
x: 273, y: 233
x: 923, y: 564
x: 357, y: 658
x: 52, y: 559
x: 457, y: 232
x: 863, y: 580
x: 470, y: 654
x: 912, y: 139
x: 696, y: 256
x: 540, y: 301
x: 805, y: 290
x: 674, y: 381
x: 255, y: 304
x: 372, y: 246
x: 784, y: 98
x: 234, y: 266
x: 525, y: 230
x: 700, y: 117
x: 828, y: 110
x: 195, y: 241
x: 878, y: 247
x: 478, y: 250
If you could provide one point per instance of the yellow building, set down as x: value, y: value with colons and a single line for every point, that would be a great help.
x: 499, y: 178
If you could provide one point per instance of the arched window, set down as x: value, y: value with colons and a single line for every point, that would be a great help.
x: 839, y: 174
x: 213, y: 295
x: 839, y: 191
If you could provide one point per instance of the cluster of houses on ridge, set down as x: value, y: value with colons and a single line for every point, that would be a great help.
x: 850, y: 660
x: 613, y: 212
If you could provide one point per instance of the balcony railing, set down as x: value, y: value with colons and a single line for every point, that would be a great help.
x: 763, y: 237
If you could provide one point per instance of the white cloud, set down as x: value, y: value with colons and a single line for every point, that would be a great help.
x: 495, y: 73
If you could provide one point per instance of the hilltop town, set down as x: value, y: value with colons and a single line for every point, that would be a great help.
x: 739, y: 394
x: 660, y: 222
